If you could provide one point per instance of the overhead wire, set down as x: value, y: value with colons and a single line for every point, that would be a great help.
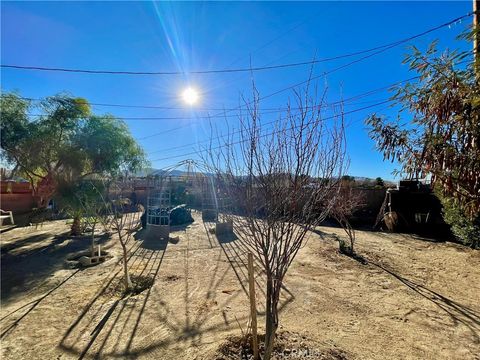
x: 174, y: 148
x: 271, y: 133
x: 311, y: 78
x: 234, y: 70
x: 225, y: 111
x: 220, y: 115
x: 311, y: 109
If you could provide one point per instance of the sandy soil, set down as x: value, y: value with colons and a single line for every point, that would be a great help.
x: 415, y: 299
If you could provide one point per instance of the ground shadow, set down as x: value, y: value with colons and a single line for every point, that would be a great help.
x: 91, y: 310
x: 25, y: 266
x: 355, y: 256
x: 7, y: 228
x: 226, y: 237
x: 25, y: 242
x: 114, y: 335
x: 149, y: 242
x: 323, y: 235
x: 458, y: 313
x: 236, y: 253
x: 29, y: 307
x: 181, y: 227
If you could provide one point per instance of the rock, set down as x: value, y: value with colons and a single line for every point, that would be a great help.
x: 85, y: 261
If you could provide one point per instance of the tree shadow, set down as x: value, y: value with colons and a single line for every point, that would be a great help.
x: 149, y: 242
x: 25, y: 242
x: 155, y: 267
x: 123, y: 317
x: 458, y: 313
x: 80, y: 326
x: 355, y: 256
x: 25, y: 266
x: 323, y: 235
x: 209, y: 227
x: 30, y: 306
x: 237, y: 253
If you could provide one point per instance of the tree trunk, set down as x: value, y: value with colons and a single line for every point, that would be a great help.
x: 127, y: 281
x: 93, y: 241
x: 271, y: 319
x: 351, y: 235
x: 76, y: 229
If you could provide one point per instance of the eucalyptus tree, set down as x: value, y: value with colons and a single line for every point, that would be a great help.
x: 437, y: 134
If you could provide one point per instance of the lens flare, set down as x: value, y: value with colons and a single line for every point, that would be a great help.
x: 190, y: 96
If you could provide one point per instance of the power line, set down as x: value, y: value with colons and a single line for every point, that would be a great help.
x: 149, y: 106
x: 312, y: 108
x: 207, y: 117
x: 261, y: 98
x: 234, y: 70
x: 214, y: 138
x: 289, y: 31
x: 267, y: 112
x: 129, y: 105
x: 381, y: 50
x: 271, y: 133
x: 283, y: 90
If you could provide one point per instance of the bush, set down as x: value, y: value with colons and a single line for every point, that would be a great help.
x: 465, y: 230
x: 344, y: 248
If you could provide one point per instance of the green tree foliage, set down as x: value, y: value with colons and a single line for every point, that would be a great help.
x: 84, y: 202
x: 379, y: 182
x: 66, y: 143
x: 465, y: 229
x: 441, y: 137
x: 348, y: 178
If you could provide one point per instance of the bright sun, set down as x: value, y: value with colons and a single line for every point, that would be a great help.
x: 190, y: 96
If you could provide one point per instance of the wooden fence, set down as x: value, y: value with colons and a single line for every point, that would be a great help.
x: 16, y: 197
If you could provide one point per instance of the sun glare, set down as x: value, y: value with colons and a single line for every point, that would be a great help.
x: 190, y: 96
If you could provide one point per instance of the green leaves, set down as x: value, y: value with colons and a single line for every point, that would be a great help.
x: 14, y: 124
x: 109, y: 145
x: 442, y: 135
x: 67, y: 142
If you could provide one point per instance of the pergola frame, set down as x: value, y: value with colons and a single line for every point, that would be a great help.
x: 159, y: 200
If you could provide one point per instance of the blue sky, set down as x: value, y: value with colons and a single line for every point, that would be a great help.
x: 147, y: 36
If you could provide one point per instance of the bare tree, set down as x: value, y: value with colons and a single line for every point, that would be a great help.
x: 347, y: 201
x: 124, y: 219
x: 94, y: 213
x: 282, y: 180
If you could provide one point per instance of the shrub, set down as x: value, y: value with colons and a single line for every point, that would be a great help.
x: 344, y: 248
x: 465, y: 230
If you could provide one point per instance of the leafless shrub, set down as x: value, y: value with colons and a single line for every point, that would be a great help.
x: 94, y: 213
x: 346, y: 202
x: 282, y: 181
x: 124, y: 218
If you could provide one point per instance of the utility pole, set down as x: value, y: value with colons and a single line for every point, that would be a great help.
x: 476, y: 38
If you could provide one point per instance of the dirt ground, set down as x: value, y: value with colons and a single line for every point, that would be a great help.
x: 416, y: 299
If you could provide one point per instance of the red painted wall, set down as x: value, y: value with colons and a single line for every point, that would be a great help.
x: 18, y: 203
x: 16, y: 197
